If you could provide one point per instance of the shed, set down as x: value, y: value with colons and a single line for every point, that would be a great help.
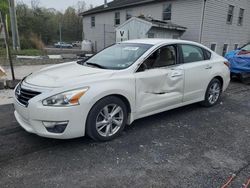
x: 142, y: 27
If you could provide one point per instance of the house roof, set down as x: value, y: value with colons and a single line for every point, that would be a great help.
x: 156, y: 23
x: 118, y: 4
x: 165, y: 24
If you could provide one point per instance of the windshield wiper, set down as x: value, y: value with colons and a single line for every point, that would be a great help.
x: 95, y: 65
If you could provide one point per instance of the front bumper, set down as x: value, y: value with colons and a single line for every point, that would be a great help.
x: 31, y: 118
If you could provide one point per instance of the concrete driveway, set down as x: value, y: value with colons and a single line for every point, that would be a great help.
x: 192, y: 147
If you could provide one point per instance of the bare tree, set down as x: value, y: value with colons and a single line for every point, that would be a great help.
x: 80, y: 6
x: 35, y: 4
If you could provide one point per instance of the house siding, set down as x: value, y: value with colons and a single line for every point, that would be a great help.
x: 216, y: 30
x: 186, y: 13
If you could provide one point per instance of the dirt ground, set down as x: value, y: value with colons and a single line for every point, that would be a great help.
x: 189, y: 147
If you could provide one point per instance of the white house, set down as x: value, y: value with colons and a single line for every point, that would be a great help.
x: 221, y: 25
x: 142, y: 27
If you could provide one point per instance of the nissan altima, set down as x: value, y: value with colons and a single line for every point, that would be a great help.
x: 124, y: 82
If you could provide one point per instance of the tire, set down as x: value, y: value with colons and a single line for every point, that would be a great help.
x: 101, y: 125
x: 213, y: 93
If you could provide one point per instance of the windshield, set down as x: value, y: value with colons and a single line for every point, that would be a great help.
x: 119, y: 56
x: 246, y: 47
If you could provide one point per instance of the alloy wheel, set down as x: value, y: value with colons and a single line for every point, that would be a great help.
x: 214, y: 93
x: 109, y: 120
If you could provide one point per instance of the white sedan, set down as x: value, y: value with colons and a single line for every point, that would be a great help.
x: 127, y: 81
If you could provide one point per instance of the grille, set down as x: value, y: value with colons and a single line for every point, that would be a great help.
x: 24, y: 95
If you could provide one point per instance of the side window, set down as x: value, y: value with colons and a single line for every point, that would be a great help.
x: 207, y: 54
x: 192, y: 53
x: 163, y: 57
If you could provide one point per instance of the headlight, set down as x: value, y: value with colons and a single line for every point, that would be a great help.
x: 69, y: 98
x: 18, y: 90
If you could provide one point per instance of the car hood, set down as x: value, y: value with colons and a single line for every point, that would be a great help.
x: 66, y: 74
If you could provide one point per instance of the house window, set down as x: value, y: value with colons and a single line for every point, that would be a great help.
x: 224, y: 50
x: 167, y: 11
x: 213, y: 47
x: 176, y: 36
x: 230, y: 14
x: 241, y: 15
x: 92, y: 21
x: 117, y: 18
x: 128, y: 14
x: 236, y: 46
x: 151, y: 35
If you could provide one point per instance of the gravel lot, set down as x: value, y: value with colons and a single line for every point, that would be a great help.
x: 192, y: 147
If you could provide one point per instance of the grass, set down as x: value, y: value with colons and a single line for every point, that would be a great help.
x: 25, y: 52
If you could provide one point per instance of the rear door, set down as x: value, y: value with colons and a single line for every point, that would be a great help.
x: 159, y: 81
x: 198, y: 69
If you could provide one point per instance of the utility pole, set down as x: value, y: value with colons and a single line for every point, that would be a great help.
x: 60, y: 34
x: 104, y: 33
x: 202, y: 20
x: 6, y: 40
x: 14, y: 28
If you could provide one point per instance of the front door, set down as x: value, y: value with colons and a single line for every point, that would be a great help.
x: 159, y: 81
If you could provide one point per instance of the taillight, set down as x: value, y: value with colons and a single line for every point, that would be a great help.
x: 227, y: 64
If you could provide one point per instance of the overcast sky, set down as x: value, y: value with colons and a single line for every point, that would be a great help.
x: 61, y: 5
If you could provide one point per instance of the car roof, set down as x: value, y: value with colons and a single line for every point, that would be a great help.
x: 159, y: 41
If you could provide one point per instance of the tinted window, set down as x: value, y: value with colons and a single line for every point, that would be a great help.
x: 192, y: 53
x: 163, y: 57
x: 207, y: 54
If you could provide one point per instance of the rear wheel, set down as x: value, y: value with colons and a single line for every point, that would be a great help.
x: 213, y: 93
x: 106, y: 119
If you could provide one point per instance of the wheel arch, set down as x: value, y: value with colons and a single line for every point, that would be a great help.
x: 220, y: 79
x: 124, y: 99
x: 120, y: 96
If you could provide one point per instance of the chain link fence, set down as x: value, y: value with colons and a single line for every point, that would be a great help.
x: 101, y: 35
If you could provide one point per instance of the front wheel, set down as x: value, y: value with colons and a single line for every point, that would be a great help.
x: 213, y: 93
x: 106, y: 119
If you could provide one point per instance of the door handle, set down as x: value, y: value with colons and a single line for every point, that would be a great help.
x: 174, y: 75
x: 208, y: 67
